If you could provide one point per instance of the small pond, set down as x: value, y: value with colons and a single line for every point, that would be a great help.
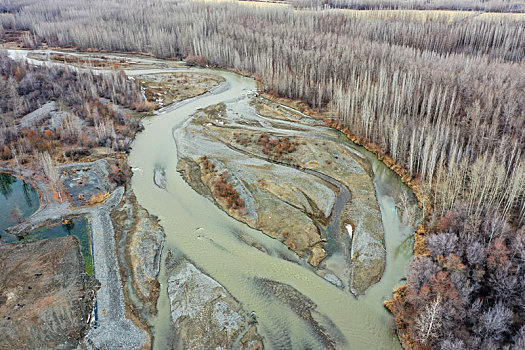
x: 18, y: 200
x: 76, y: 227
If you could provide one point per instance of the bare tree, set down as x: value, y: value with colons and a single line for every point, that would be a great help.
x: 495, y: 321
x: 51, y: 172
x: 428, y: 323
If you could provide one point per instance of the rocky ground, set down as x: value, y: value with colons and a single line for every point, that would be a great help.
x: 113, y: 327
x: 274, y: 169
x: 204, y: 314
x: 46, y: 300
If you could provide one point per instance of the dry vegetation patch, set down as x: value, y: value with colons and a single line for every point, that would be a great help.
x: 166, y: 88
x: 221, y: 184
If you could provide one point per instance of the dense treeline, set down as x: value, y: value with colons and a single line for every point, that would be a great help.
x: 443, y: 95
x: 85, y: 120
x: 170, y: 28
x: 463, y: 5
x: 466, y: 291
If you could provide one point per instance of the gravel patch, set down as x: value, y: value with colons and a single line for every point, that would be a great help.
x: 38, y: 115
x: 111, y: 329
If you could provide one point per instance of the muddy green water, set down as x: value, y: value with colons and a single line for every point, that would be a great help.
x: 18, y: 200
x: 210, y: 238
x: 77, y: 227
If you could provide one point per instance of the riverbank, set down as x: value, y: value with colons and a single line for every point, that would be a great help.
x: 87, y: 189
x: 246, y: 254
x: 232, y: 253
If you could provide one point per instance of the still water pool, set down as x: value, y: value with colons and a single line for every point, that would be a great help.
x: 75, y: 227
x: 18, y: 200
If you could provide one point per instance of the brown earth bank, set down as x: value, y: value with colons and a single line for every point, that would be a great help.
x: 400, y: 293
x: 46, y: 299
x: 141, y: 240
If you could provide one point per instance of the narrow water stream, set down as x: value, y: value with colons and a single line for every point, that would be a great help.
x: 332, y: 229
x: 208, y: 237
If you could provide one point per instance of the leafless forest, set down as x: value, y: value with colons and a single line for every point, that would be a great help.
x: 86, y: 118
x: 442, y: 94
x: 443, y: 97
x: 464, y: 5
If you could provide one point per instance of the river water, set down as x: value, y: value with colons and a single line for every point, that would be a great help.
x: 208, y: 237
x: 216, y: 243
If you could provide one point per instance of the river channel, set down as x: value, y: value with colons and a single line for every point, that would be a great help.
x: 216, y: 243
